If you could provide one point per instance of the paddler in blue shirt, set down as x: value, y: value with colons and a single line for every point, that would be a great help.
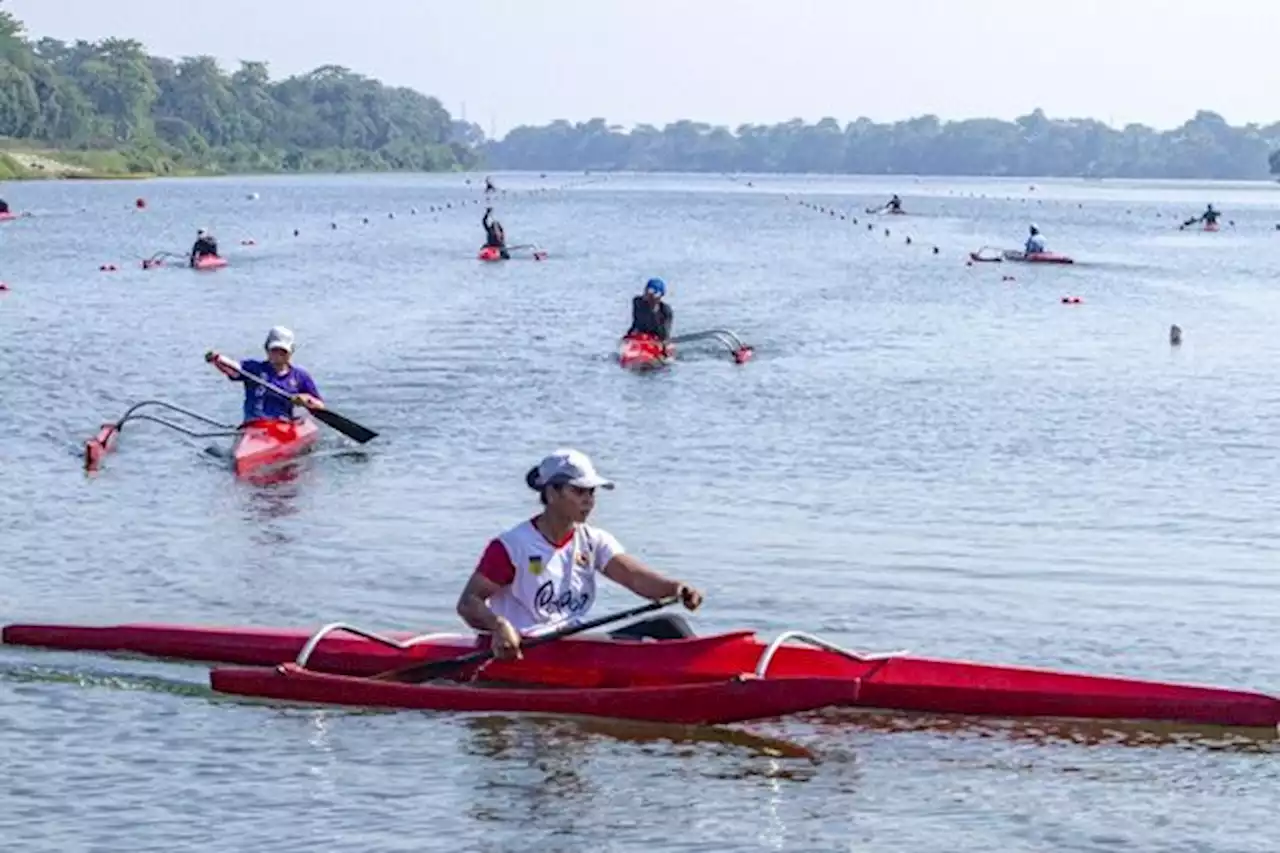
x: 1035, y: 243
x: 259, y: 402
x: 649, y: 314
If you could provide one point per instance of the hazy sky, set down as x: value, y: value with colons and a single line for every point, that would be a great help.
x: 732, y: 61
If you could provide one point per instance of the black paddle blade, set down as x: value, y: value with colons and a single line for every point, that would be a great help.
x: 349, y: 428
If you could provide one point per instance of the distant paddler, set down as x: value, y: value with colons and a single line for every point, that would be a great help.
x: 298, y: 388
x: 206, y: 245
x: 1035, y: 244
x: 540, y: 576
x: 893, y: 205
x: 495, y: 237
x: 1209, y: 218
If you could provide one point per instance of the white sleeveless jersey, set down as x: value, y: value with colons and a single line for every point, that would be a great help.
x: 552, y: 586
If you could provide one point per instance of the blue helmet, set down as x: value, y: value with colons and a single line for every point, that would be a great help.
x: 656, y: 285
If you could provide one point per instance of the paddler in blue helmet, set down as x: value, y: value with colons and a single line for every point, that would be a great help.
x: 279, y: 371
x: 541, y: 575
x: 1035, y: 243
x: 649, y: 314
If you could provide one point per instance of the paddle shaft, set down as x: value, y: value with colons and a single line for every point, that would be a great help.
x: 346, y: 426
x: 424, y: 671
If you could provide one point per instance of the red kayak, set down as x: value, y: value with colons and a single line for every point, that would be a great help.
x: 490, y: 253
x: 265, y: 442
x: 643, y: 352
x: 1211, y: 226
x: 209, y: 262
x: 8, y: 215
x: 890, y: 682
x: 694, y: 703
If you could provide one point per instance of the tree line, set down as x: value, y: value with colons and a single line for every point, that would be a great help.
x: 167, y: 115
x: 1032, y: 145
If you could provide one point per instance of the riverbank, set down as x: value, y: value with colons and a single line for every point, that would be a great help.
x: 36, y: 165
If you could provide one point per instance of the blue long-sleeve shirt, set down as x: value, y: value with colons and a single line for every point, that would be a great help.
x: 261, y: 403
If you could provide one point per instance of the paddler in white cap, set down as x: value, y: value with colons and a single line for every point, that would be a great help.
x: 540, y: 575
x: 279, y: 370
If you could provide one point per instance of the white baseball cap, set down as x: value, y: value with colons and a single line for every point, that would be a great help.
x: 280, y: 338
x: 569, y: 466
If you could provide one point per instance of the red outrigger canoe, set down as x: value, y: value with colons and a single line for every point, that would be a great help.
x: 1014, y: 256
x: 338, y: 658
x: 209, y: 262
x: 266, y: 442
x: 644, y: 352
x: 258, y: 444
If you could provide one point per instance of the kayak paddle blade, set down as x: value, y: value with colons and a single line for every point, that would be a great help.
x: 349, y: 428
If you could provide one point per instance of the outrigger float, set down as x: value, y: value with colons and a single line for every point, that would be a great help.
x: 646, y: 352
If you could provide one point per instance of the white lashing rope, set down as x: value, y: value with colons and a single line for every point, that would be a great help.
x: 766, y: 657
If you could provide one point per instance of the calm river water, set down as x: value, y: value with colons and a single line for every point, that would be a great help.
x: 922, y: 455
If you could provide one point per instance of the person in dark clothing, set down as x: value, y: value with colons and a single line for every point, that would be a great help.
x: 206, y: 244
x: 494, y: 236
x: 4, y: 206
x: 894, y: 205
x: 1210, y: 216
x: 649, y: 314
x: 488, y: 185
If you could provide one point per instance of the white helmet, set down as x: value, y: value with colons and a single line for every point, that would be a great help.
x: 280, y: 338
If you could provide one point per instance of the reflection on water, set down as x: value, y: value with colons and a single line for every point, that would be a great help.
x: 1055, y: 732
